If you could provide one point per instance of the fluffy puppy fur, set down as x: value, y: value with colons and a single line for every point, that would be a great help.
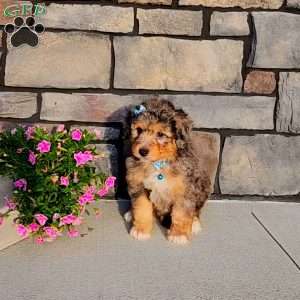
x: 161, y: 133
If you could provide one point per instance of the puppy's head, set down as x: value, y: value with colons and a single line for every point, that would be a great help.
x: 158, y: 131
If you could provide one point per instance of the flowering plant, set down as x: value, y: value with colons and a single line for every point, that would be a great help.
x: 53, y: 180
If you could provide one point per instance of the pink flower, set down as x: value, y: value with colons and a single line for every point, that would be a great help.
x: 42, y: 219
x: 73, y: 233
x: 44, y: 146
x: 29, y: 133
x: 86, y: 198
x: 51, y: 232
x: 76, y: 135
x: 110, y: 182
x: 1, y: 220
x: 33, y: 227
x: 60, y: 128
x: 102, y: 192
x: 64, y: 180
x: 10, y: 203
x: 68, y: 219
x: 21, y: 184
x: 22, y: 230
x: 83, y: 157
x: 32, y: 158
x: 39, y: 240
x: 20, y: 150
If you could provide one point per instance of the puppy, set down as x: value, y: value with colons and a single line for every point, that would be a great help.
x: 164, y: 176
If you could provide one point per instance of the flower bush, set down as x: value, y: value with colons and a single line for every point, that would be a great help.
x: 53, y: 180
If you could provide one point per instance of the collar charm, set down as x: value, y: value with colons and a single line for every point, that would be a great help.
x: 158, y: 165
x: 160, y: 177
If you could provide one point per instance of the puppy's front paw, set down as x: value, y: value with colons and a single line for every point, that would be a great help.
x: 196, y: 227
x: 178, y: 239
x: 139, y: 235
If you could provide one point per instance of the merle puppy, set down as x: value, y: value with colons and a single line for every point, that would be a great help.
x: 164, y: 175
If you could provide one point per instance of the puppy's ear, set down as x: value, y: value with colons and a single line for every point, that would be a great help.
x: 183, y: 128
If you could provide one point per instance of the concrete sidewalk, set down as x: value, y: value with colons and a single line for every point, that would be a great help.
x: 247, y: 250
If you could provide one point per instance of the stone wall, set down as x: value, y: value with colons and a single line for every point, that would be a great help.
x: 233, y: 65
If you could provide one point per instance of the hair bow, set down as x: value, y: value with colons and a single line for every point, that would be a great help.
x: 139, y: 109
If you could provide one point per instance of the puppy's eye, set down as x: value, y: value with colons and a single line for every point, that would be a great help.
x: 139, y: 130
x: 160, y: 134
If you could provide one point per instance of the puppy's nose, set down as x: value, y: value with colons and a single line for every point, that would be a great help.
x: 144, y: 151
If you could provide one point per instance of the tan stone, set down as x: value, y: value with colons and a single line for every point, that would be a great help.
x: 89, y: 17
x: 229, y: 23
x: 268, y: 4
x: 168, y: 21
x: 260, y: 82
x: 174, y: 64
x: 17, y: 105
x: 93, y: 107
x: 207, y: 147
x: 8, y: 233
x: 61, y: 60
x: 261, y: 165
x: 293, y: 3
x: 163, y: 2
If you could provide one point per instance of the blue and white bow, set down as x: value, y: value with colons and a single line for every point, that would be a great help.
x: 139, y: 109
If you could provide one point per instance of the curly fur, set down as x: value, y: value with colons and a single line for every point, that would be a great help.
x: 186, y: 187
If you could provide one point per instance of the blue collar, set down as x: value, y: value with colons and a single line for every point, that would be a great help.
x: 160, y: 164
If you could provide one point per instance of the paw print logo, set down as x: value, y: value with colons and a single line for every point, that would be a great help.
x: 24, y: 31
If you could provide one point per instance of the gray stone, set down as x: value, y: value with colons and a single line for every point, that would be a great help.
x: 237, y: 112
x: 174, y: 64
x: 267, y: 4
x: 4, y: 125
x: 6, y: 189
x: 168, y: 21
x: 89, y: 17
x: 154, y: 2
x: 261, y: 165
x: 288, y: 108
x: 102, y: 133
x: 17, y: 105
x: 229, y: 23
x: 277, y: 40
x: 293, y: 3
x: 107, y: 161
x: 62, y: 60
